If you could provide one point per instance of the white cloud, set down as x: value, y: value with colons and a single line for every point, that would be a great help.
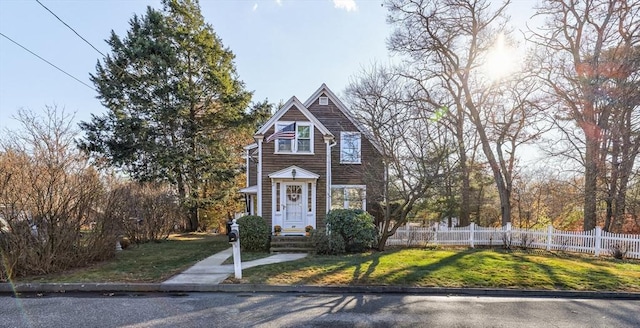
x: 348, y: 5
x: 279, y: 2
x: 255, y: 6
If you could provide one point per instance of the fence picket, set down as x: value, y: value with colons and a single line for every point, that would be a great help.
x: 595, y: 241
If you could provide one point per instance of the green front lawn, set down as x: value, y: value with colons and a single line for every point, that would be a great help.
x: 476, y: 268
x: 150, y: 262
x: 455, y: 268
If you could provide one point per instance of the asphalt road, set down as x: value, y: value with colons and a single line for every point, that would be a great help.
x: 310, y: 310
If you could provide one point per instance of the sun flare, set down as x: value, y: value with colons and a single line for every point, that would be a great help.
x: 500, y: 60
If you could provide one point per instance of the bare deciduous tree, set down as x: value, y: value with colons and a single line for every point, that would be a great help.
x: 448, y: 44
x: 144, y: 211
x: 50, y: 199
x: 414, y: 148
x: 585, y: 49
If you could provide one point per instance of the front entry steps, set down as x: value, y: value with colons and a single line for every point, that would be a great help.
x: 291, y: 244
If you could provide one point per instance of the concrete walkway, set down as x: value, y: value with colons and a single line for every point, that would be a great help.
x: 211, y: 270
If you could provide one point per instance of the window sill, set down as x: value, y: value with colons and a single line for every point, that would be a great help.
x: 351, y: 163
x: 292, y: 153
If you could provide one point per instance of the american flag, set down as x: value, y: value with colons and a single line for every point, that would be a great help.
x: 288, y: 132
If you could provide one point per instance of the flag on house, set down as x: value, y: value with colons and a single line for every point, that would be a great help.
x: 288, y: 132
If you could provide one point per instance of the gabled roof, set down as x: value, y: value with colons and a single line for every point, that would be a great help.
x: 287, y: 173
x: 302, y: 108
x: 332, y: 96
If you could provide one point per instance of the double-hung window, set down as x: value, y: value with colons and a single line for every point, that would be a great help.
x: 302, y: 143
x: 348, y: 197
x: 350, y: 144
x: 303, y: 139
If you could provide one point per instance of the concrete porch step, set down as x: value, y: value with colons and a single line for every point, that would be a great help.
x: 291, y: 244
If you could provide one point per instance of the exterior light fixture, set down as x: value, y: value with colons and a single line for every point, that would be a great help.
x: 293, y: 174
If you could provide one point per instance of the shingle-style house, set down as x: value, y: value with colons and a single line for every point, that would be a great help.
x: 309, y: 158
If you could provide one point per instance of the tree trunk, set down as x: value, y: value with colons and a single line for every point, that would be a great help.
x: 193, y: 219
x: 590, y: 183
x: 498, y: 175
x: 182, y: 194
x: 629, y: 149
x: 619, y: 211
x: 505, y: 198
x: 382, y: 241
x: 465, y: 193
x: 609, y: 214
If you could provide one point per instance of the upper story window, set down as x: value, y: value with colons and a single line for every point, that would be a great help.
x: 350, y: 144
x: 300, y: 142
x: 303, y: 139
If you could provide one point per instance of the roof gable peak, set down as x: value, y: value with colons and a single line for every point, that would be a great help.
x: 293, y: 101
x: 332, y: 96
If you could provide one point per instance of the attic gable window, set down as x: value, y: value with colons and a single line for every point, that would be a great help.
x: 324, y: 101
x: 302, y: 143
x: 350, y: 148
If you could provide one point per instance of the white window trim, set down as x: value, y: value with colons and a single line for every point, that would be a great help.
x: 323, y: 101
x: 345, y: 203
x: 342, y: 160
x: 294, y: 145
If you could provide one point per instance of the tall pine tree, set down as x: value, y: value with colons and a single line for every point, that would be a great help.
x: 173, y: 101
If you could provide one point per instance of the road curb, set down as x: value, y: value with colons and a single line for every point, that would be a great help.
x: 48, y: 288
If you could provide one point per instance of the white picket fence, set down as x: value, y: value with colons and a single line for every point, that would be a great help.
x: 595, y: 241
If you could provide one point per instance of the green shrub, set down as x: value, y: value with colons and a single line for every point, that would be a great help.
x: 356, y: 228
x: 254, y: 233
x: 326, y: 244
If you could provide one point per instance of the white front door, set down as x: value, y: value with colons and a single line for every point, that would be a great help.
x: 295, y: 203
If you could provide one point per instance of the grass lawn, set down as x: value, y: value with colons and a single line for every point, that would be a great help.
x: 455, y: 268
x: 150, y: 262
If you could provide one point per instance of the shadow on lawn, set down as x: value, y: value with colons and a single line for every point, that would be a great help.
x: 400, y: 275
x: 412, y: 274
x: 370, y: 269
x: 447, y: 268
x: 318, y: 268
x: 589, y: 275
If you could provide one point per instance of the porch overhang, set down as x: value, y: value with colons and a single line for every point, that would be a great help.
x: 249, y: 190
x: 294, y: 172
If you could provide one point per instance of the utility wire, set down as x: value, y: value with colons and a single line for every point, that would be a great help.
x: 89, y: 43
x: 48, y: 62
x: 71, y: 28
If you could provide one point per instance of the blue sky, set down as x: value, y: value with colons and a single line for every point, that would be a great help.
x: 283, y: 48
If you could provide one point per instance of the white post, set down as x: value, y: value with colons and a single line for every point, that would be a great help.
x: 471, y: 233
x: 118, y: 243
x: 435, y: 234
x: 598, y: 240
x: 237, y: 262
x: 549, y: 236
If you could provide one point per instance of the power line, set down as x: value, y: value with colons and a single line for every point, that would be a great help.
x: 89, y: 43
x: 48, y: 62
x: 71, y: 28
